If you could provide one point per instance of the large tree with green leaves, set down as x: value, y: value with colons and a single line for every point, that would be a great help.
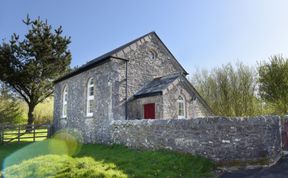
x: 273, y: 83
x: 229, y: 90
x: 29, y: 65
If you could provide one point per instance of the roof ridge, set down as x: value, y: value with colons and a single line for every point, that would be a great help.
x: 115, y: 50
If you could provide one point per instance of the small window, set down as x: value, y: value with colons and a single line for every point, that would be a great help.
x: 64, y: 102
x: 181, y: 107
x: 90, y: 97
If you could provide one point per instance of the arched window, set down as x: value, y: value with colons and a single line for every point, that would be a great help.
x: 181, y: 107
x: 90, y: 97
x: 64, y: 102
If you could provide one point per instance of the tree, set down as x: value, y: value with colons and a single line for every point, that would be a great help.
x: 230, y: 91
x: 29, y: 66
x: 9, y: 107
x: 273, y: 83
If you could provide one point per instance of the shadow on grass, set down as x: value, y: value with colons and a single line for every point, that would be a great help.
x: 133, y: 163
x: 139, y: 163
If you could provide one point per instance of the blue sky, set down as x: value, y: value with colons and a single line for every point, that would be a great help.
x: 201, y: 34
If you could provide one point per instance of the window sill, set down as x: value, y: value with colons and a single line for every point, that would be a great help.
x: 89, y: 117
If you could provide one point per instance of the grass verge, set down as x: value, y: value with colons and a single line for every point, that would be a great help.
x: 96, y: 160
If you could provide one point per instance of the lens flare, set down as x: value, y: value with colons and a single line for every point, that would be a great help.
x: 64, y: 142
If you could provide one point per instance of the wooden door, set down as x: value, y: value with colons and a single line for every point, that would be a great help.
x: 149, y: 111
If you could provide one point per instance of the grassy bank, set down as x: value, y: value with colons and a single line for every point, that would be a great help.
x: 95, y: 160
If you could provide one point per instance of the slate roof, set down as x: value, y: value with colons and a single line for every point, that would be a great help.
x: 101, y: 59
x: 156, y: 86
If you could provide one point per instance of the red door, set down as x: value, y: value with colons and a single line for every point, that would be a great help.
x: 149, y: 111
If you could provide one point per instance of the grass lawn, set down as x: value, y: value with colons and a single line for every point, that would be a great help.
x: 96, y: 160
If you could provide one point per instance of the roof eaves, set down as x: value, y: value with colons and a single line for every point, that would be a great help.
x: 101, y: 58
x: 81, y: 69
x: 144, y: 95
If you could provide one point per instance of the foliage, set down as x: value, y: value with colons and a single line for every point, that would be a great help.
x: 44, y: 111
x: 10, y: 111
x: 29, y: 66
x: 273, y: 83
x: 14, y: 111
x: 230, y: 91
x: 105, y: 161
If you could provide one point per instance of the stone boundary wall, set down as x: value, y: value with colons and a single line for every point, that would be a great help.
x: 284, y: 134
x: 228, y: 141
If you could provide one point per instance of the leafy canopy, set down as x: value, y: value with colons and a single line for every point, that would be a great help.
x: 273, y: 83
x: 29, y: 66
x: 229, y: 90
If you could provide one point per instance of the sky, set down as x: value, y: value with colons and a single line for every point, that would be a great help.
x: 201, y: 34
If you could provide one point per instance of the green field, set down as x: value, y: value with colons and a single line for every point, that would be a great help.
x: 48, y: 158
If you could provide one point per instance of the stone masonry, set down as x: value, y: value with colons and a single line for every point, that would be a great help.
x: 125, y: 70
x: 131, y: 68
x: 229, y: 141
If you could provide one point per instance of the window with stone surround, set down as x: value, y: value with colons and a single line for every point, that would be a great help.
x: 64, y: 102
x: 181, y: 107
x: 90, y: 98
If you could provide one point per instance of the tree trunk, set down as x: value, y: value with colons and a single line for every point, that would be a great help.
x: 30, y: 118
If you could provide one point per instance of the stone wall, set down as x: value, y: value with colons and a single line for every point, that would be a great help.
x: 193, y: 107
x: 231, y: 141
x: 92, y: 128
x: 141, y: 67
x: 284, y: 133
x: 140, y: 70
x: 136, y: 110
x: 110, y: 88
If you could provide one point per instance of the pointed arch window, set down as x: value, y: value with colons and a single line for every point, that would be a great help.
x: 181, y: 107
x: 90, y: 98
x: 64, y: 102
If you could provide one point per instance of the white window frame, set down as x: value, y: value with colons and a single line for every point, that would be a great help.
x: 64, y: 101
x: 90, y: 98
x: 181, y: 101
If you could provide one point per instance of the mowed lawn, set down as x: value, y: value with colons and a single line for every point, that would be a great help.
x: 96, y: 160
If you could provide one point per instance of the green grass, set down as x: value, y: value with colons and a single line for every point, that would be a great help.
x: 96, y: 160
x: 6, y: 150
x: 63, y: 166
